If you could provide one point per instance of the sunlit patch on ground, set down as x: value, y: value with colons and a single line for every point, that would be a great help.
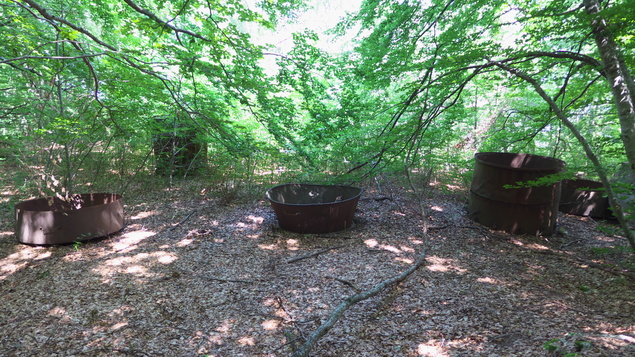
x: 371, y: 243
x: 256, y: 219
x: 184, y: 242
x: 139, y: 265
x: 142, y: 215
x: 201, y: 288
x: 268, y: 246
x: 488, y: 280
x: 118, y: 325
x: 390, y: 248
x: 293, y: 244
x: 226, y: 326
x: 431, y: 350
x: 19, y: 260
x: 438, y: 264
x: 246, y: 341
x: 271, y: 324
x: 130, y: 239
x: 537, y: 246
x: 60, y: 313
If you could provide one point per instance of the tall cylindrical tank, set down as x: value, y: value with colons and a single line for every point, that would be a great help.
x: 528, y: 207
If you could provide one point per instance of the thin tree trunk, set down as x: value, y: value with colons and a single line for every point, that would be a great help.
x: 618, y: 76
x: 618, y: 210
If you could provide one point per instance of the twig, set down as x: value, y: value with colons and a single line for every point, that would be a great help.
x: 306, y: 256
x: 570, y: 243
x: 422, y: 211
x: 291, y: 317
x: 627, y: 273
x: 306, y: 348
x: 377, y: 198
x: 183, y: 221
x: 332, y: 237
x: 590, y: 264
x: 345, y: 282
x: 430, y: 228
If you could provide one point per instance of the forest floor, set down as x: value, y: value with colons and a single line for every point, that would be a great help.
x: 195, y: 272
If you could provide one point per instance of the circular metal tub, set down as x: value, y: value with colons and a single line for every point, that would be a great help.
x: 307, y: 208
x: 52, y: 220
x: 519, y: 210
x: 584, y: 198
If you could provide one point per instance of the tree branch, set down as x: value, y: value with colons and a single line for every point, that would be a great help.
x: 50, y: 17
x: 306, y: 348
x: 617, y: 209
x: 569, y: 55
x: 306, y: 256
x: 165, y: 24
x: 3, y: 60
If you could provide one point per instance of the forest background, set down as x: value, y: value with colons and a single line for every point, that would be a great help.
x: 98, y: 95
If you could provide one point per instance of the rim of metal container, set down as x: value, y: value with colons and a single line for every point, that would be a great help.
x: 21, y: 205
x: 558, y: 164
x: 576, y: 184
x: 359, y: 193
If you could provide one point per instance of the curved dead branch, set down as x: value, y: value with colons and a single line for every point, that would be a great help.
x: 306, y: 348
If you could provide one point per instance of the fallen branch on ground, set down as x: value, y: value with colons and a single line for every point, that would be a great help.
x: 431, y: 228
x: 345, y: 282
x: 377, y: 198
x: 590, y: 264
x: 332, y: 237
x: 293, y: 260
x: 183, y: 221
x: 351, y: 300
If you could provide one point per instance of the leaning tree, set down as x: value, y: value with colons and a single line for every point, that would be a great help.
x: 574, y: 56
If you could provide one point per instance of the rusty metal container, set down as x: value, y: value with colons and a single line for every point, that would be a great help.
x: 524, y: 210
x: 52, y: 220
x: 584, y: 198
x: 306, y: 208
x: 178, y: 147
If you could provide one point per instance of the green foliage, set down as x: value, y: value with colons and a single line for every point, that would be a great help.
x: 77, y: 245
x: 626, y: 255
x: 418, y: 88
x: 569, y: 346
x: 80, y: 100
x: 546, y: 180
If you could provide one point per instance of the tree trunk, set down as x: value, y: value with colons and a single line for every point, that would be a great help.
x: 618, y: 75
x: 618, y: 210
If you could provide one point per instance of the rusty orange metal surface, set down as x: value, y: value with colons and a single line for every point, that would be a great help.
x: 518, y: 210
x: 307, y: 208
x: 51, y: 220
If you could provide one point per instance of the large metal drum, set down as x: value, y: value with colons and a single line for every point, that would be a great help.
x: 585, y: 198
x: 52, y: 220
x: 306, y: 208
x: 529, y: 209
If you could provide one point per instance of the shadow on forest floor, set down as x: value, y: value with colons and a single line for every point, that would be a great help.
x: 193, y: 273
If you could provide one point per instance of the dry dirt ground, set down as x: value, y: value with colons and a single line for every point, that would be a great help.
x: 194, y: 273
